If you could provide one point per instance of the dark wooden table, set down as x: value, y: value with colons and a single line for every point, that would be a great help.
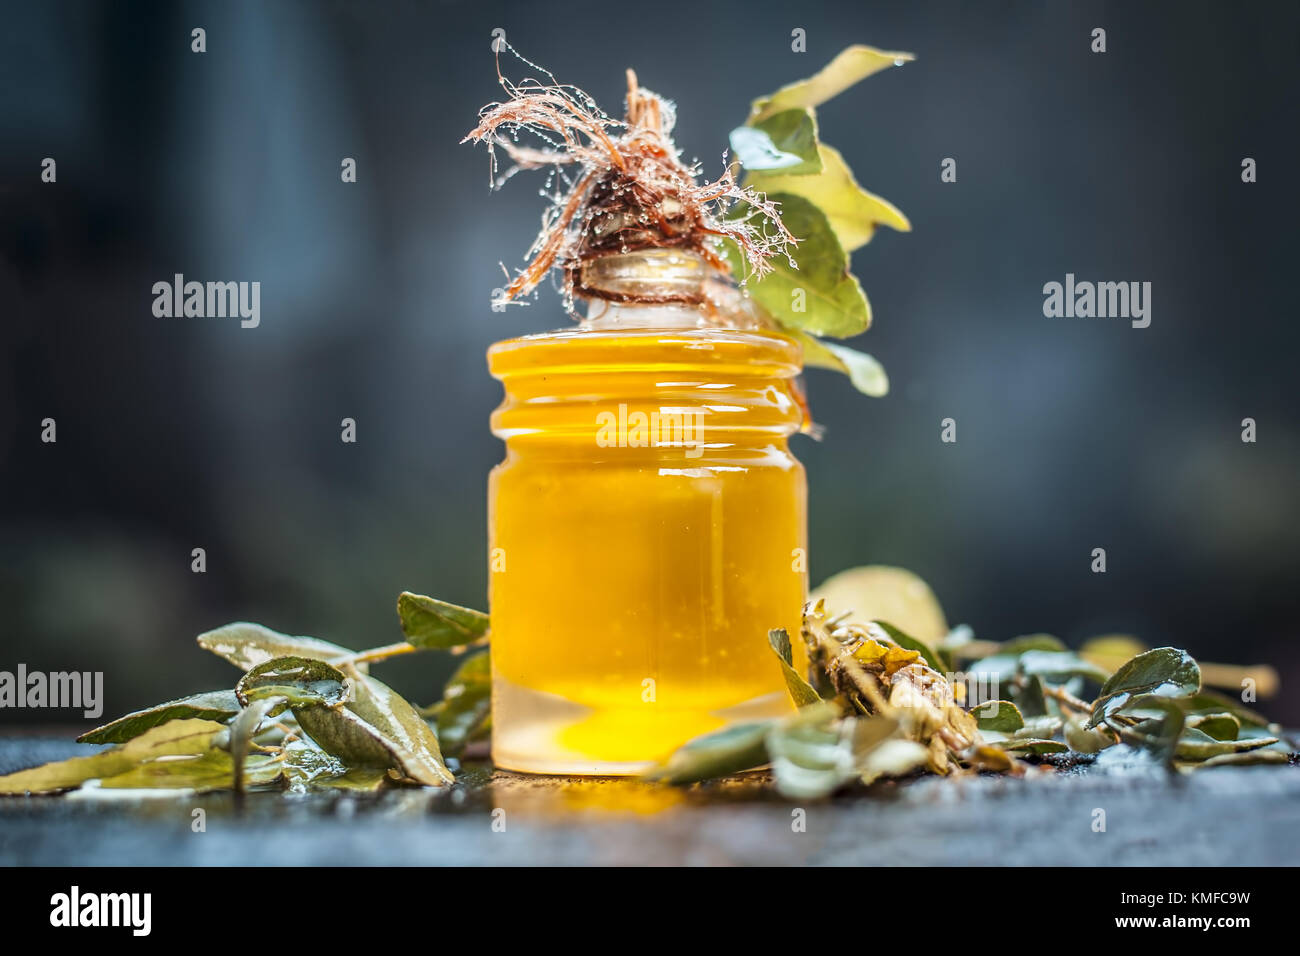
x: 1222, y: 817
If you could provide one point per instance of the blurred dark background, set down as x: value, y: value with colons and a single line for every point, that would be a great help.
x: 1072, y: 433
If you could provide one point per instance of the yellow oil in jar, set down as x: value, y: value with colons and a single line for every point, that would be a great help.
x: 646, y: 530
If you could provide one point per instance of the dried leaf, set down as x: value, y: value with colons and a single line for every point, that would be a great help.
x: 907, y: 641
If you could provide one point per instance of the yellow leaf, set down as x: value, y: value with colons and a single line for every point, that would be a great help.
x: 853, y: 64
x: 880, y: 593
x: 852, y: 211
x: 175, y: 737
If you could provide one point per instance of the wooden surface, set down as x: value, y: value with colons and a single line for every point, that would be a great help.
x: 1225, y: 817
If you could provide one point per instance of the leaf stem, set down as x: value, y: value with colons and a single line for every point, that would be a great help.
x: 1063, y: 696
x: 378, y: 653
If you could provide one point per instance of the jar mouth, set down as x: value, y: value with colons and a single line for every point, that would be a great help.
x: 651, y: 276
x: 585, y: 350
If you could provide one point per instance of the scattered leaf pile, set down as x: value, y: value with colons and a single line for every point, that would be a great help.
x: 875, y: 702
x: 306, y: 715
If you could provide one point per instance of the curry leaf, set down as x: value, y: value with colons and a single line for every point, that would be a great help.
x: 853, y: 212
x: 800, y: 690
x: 247, y: 645
x: 187, y: 736
x: 1000, y: 715
x: 378, y: 728
x: 433, y: 624
x: 865, y: 373
x: 1162, y: 672
x: 244, y: 728
x: 218, y: 705
x: 213, y: 770
x: 1197, y: 745
x: 297, y: 681
x: 731, y: 750
x: 819, y: 295
x: 466, y: 704
x: 1218, y: 726
x: 852, y: 65
x: 785, y: 141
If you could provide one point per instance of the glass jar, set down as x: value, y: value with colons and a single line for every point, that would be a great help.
x: 647, y: 528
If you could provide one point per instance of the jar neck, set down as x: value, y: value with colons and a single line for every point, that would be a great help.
x: 660, y: 288
x: 721, y: 389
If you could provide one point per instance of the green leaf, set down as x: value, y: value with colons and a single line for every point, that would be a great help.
x: 247, y: 645
x: 1217, y: 726
x: 731, y: 750
x: 298, y: 680
x: 1197, y: 745
x: 436, y: 625
x: 801, y: 692
x: 812, y: 754
x: 894, y: 757
x: 999, y: 715
x: 907, y: 641
x: 786, y: 141
x: 1244, y: 759
x: 1213, y: 701
x: 1031, y: 642
x: 379, y: 729
x: 466, y: 704
x: 1086, y: 741
x: 1029, y: 697
x: 853, y: 212
x: 820, y: 296
x: 213, y: 770
x: 852, y: 65
x: 242, y: 731
x: 1059, y: 665
x: 308, y: 768
x: 1162, y: 672
x: 218, y: 705
x: 1159, y: 734
x: 188, y: 736
x: 1037, y: 655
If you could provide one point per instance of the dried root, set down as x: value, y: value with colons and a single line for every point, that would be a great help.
x: 620, y: 186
